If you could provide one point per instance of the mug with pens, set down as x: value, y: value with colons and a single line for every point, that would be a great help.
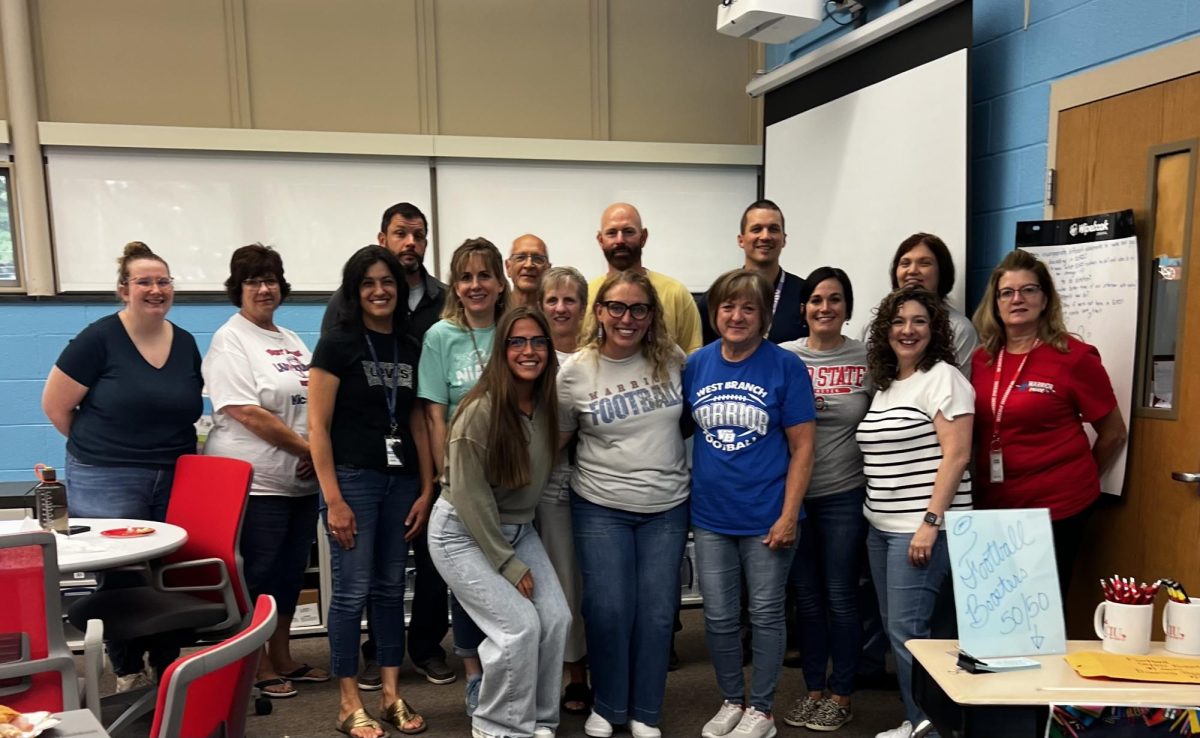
x: 1123, y: 620
x: 1181, y: 620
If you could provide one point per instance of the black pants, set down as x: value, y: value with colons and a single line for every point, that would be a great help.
x: 1068, y: 537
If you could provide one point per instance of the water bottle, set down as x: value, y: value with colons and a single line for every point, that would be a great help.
x: 51, y: 500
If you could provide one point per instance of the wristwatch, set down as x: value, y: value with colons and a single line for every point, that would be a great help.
x: 933, y: 519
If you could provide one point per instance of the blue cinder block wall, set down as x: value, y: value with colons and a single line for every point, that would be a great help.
x: 1012, y: 69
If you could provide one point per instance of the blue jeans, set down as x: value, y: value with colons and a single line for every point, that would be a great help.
x: 277, y: 538
x: 721, y: 561
x: 630, y: 567
x: 117, y: 491
x: 522, y: 652
x: 907, y: 596
x: 371, y: 571
x: 123, y: 492
x: 824, y: 579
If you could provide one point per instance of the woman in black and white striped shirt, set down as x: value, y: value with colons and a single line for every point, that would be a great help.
x: 916, y: 443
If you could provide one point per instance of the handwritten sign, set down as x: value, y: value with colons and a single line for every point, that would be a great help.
x: 1006, y: 592
x: 1137, y: 668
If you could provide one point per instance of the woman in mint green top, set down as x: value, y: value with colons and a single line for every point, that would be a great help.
x: 455, y: 350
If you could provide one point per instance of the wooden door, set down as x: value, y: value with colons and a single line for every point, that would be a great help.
x: 1139, y: 150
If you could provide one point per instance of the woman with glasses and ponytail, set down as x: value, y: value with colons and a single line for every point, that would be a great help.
x: 621, y: 394
x: 126, y: 394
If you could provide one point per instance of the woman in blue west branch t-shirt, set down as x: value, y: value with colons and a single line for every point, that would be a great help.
x: 752, y: 405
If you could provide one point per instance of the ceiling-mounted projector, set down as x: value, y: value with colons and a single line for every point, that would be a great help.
x: 769, y: 21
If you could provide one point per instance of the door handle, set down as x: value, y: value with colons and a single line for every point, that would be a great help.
x: 1189, y: 477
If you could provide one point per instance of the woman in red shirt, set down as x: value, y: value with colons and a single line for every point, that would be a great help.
x: 1035, y: 387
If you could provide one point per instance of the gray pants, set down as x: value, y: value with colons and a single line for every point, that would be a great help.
x: 522, y: 653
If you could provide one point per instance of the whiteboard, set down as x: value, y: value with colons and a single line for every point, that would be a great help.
x: 857, y: 175
x: 691, y: 212
x: 195, y: 208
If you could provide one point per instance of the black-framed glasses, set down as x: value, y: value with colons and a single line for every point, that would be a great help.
x: 260, y: 282
x: 616, y: 309
x: 163, y: 283
x: 539, y: 343
x: 537, y: 259
x: 1027, y: 292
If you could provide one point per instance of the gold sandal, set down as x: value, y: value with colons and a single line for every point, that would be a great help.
x: 360, y: 719
x: 399, y: 713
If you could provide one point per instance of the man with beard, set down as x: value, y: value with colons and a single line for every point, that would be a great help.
x: 762, y: 238
x: 622, y: 238
x: 526, y: 264
x: 404, y: 231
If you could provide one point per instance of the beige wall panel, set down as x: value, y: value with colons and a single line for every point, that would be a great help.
x: 672, y: 77
x: 514, y: 68
x: 155, y: 62
x: 349, y: 65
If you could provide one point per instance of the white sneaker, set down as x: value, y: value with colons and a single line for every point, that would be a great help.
x: 904, y: 731
x: 641, y: 730
x: 542, y: 731
x: 726, y: 719
x: 597, y: 727
x: 755, y: 724
x: 130, y: 682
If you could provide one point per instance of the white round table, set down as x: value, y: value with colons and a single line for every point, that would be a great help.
x: 91, y: 551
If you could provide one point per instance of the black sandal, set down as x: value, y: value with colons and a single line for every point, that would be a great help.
x: 577, y: 692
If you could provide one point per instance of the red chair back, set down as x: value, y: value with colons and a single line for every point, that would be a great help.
x: 207, y: 693
x: 208, y: 500
x: 36, y: 668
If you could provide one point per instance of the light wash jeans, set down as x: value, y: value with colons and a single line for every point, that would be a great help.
x: 721, y: 562
x: 907, y: 598
x: 522, y: 651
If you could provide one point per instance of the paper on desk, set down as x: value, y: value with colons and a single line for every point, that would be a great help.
x: 1135, y: 668
x: 70, y: 545
x: 19, y: 526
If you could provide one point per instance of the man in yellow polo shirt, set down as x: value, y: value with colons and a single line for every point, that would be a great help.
x: 622, y: 238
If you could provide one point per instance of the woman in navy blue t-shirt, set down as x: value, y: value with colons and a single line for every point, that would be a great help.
x: 752, y: 405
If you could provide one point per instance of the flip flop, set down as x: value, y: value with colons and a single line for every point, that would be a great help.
x: 282, y: 694
x: 302, y: 673
x: 360, y: 719
x: 399, y: 713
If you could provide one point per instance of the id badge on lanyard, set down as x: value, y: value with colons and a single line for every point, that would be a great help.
x: 996, y: 454
x: 996, y: 461
x: 394, y: 447
x: 393, y: 444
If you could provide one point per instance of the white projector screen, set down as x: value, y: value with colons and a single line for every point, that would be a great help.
x: 858, y: 174
x: 562, y: 203
x: 195, y: 208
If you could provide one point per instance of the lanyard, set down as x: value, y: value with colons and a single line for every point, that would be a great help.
x: 778, y: 292
x: 389, y: 392
x: 998, y: 410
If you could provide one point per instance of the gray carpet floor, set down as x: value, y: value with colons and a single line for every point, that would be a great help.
x: 692, y: 698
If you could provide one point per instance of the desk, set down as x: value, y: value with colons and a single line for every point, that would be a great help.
x: 1017, y: 702
x: 91, y: 551
x: 77, y: 724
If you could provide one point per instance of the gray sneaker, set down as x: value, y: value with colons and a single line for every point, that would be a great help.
x: 829, y: 716
x: 802, y: 711
x: 472, y: 697
x: 436, y: 671
x: 369, y: 679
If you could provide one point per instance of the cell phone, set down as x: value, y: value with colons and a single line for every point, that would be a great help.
x: 72, y: 530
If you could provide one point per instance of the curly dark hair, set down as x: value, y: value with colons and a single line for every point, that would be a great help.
x: 249, y: 262
x: 881, y: 360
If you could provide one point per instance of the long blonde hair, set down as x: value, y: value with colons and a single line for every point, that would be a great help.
x: 1051, y: 327
x: 508, y: 465
x: 658, y: 346
x: 492, y: 261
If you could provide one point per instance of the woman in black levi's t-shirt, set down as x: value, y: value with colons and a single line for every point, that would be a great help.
x: 371, y: 453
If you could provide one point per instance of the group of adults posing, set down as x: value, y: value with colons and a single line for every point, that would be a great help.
x: 552, y: 416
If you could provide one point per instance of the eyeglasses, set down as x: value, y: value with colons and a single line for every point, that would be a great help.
x: 539, y: 343
x: 616, y: 309
x: 537, y: 259
x: 163, y: 283
x: 1027, y: 292
x: 260, y: 282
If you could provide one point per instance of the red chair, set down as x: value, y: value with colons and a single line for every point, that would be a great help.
x: 207, y: 693
x: 38, y: 671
